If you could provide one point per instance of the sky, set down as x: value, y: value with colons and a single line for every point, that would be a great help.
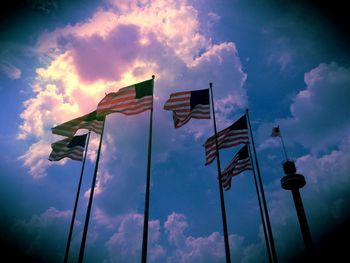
x: 288, y: 63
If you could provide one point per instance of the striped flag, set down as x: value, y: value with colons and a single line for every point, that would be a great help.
x: 72, y: 148
x: 232, y: 136
x: 188, y: 104
x: 89, y: 121
x: 130, y: 100
x: 240, y: 162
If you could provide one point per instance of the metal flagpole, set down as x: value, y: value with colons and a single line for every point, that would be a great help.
x: 148, y: 183
x: 76, y: 200
x: 284, y: 148
x: 272, y: 243
x: 88, y: 212
x: 222, y: 200
x: 260, y: 208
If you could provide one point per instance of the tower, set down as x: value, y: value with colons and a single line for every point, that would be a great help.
x: 293, y: 181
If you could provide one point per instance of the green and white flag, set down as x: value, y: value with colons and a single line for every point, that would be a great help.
x: 89, y: 121
x: 130, y: 100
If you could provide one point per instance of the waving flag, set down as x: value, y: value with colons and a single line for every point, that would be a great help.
x: 239, y: 163
x: 188, y: 104
x: 235, y: 134
x: 89, y: 121
x: 72, y: 148
x: 130, y: 100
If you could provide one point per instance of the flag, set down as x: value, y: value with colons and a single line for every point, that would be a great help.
x: 188, y: 104
x: 235, y: 134
x: 130, y: 100
x: 72, y: 148
x: 240, y: 162
x: 89, y: 121
x: 276, y: 132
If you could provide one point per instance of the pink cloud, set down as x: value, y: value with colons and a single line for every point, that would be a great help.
x: 96, y: 57
x: 113, y: 49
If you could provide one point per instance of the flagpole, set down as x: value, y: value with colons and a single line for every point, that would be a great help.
x: 76, y: 201
x: 260, y: 208
x: 148, y: 183
x: 284, y: 148
x: 222, y: 200
x: 88, y: 212
x: 272, y: 243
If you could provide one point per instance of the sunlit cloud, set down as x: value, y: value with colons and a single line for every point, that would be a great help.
x: 117, y: 47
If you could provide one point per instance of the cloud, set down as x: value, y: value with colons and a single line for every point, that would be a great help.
x: 325, y: 196
x: 42, y: 235
x: 282, y: 58
x: 10, y: 70
x: 281, y: 52
x: 175, y: 226
x: 213, y: 18
x: 319, y: 112
x: 120, y: 46
x: 110, y: 50
x: 125, y: 244
x: 111, y: 56
x: 47, y: 7
x: 36, y: 158
x: 169, y: 242
x: 198, y: 249
x: 330, y: 180
x: 320, y: 123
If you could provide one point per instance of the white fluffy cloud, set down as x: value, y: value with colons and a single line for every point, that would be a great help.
x: 319, y: 112
x: 322, y: 110
x: 125, y: 244
x: 117, y: 47
x: 198, y: 249
x: 169, y: 242
x: 327, y: 178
